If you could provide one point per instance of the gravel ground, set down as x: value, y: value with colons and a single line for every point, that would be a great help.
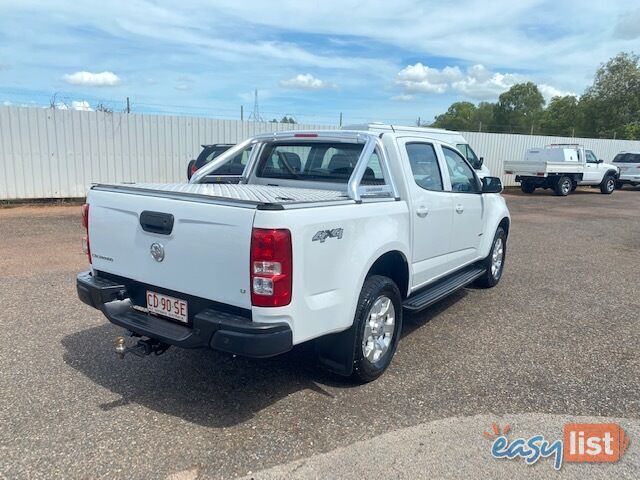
x: 559, y: 336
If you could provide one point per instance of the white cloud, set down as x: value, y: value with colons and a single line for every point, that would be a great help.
x: 182, y: 87
x: 102, y: 79
x: 424, y: 79
x: 305, y: 81
x: 82, y: 105
x: 6, y: 103
x: 477, y: 83
x: 403, y: 98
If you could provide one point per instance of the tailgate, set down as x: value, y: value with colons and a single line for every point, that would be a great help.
x: 206, y: 253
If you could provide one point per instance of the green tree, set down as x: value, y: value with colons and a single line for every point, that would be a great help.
x: 459, y: 116
x: 484, y: 118
x: 519, y: 109
x: 611, y: 106
x: 561, y: 116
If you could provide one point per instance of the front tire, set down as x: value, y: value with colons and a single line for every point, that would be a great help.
x: 608, y: 185
x: 378, y: 323
x: 494, y: 262
x: 563, y: 186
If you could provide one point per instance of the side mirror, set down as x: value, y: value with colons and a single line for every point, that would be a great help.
x: 491, y: 185
x: 600, y: 160
x: 480, y: 161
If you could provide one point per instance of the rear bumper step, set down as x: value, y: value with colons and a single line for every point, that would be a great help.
x: 210, y: 328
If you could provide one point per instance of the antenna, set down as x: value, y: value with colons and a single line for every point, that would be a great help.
x: 255, y: 115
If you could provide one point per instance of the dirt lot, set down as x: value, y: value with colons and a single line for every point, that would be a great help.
x: 560, y: 335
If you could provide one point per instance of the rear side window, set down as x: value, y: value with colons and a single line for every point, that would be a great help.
x: 461, y: 174
x: 324, y: 162
x: 424, y: 165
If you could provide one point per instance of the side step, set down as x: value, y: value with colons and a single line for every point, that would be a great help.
x: 440, y: 289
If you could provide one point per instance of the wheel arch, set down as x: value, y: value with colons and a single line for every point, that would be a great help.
x: 392, y: 264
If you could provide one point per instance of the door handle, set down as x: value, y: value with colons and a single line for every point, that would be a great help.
x: 422, y: 211
x: 459, y: 208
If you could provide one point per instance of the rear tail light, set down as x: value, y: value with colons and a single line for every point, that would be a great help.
x: 194, y: 169
x: 86, y: 247
x: 540, y: 174
x: 271, y: 267
x: 508, y: 172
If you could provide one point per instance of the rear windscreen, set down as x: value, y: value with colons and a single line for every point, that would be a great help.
x: 315, y: 161
x: 627, y: 158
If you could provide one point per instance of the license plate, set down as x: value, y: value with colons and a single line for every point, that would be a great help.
x: 167, y: 306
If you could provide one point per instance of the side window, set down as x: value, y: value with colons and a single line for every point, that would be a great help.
x: 461, y: 174
x: 591, y: 158
x: 424, y: 166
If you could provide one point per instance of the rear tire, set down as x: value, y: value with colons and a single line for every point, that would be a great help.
x: 527, y: 187
x: 563, y: 186
x: 608, y: 185
x: 378, y: 323
x: 494, y: 262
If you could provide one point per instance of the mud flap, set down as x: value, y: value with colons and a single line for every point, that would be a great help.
x: 336, y: 351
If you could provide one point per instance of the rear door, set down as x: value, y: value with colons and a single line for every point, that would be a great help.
x: 468, y: 207
x: 205, y: 253
x: 430, y: 208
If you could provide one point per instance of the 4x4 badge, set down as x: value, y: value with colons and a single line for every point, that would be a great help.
x: 322, y: 235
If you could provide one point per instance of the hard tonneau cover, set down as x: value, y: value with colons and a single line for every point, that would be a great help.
x: 241, y: 194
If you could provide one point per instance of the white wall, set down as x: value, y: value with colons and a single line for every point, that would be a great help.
x: 48, y: 153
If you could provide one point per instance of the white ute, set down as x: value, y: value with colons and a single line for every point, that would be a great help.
x: 326, y: 236
x: 562, y: 167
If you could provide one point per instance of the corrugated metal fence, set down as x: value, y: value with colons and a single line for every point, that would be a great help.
x: 48, y: 153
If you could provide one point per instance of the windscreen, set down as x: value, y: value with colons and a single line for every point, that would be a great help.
x: 315, y: 161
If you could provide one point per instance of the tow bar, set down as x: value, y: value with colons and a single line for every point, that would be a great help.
x: 143, y: 348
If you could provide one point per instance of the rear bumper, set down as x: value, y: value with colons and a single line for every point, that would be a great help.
x: 210, y: 328
x: 629, y: 178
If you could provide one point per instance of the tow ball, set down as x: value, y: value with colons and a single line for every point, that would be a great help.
x: 144, y: 347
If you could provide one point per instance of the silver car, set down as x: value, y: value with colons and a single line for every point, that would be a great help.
x: 629, y: 165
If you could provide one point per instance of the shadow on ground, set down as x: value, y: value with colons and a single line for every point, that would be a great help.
x: 206, y: 387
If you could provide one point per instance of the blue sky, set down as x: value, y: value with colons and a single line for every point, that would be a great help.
x: 373, y: 61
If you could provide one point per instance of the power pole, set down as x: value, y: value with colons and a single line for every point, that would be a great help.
x: 241, y: 113
x: 341, y: 119
x: 480, y: 126
x: 128, y: 106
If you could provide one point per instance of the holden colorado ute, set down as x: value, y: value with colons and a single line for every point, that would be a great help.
x: 326, y: 236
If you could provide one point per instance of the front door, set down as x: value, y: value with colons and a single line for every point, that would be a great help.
x: 468, y: 208
x: 431, y: 211
x: 593, y: 170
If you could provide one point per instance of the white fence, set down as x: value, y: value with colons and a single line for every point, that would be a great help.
x: 48, y: 153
